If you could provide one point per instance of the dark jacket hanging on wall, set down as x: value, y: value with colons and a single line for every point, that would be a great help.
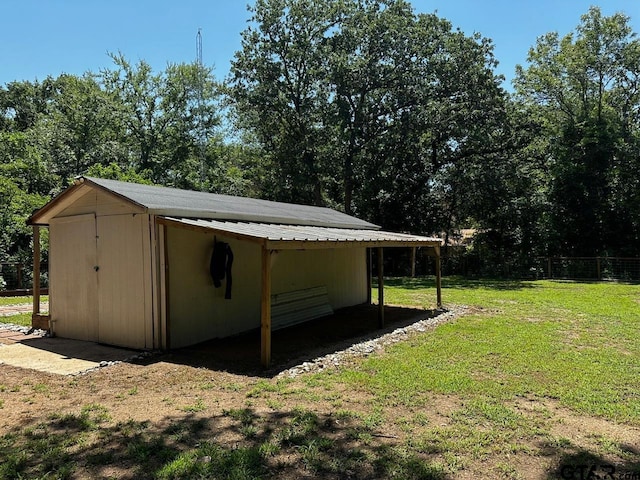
x: 220, y: 266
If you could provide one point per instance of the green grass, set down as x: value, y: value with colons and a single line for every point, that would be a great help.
x: 21, y: 300
x: 574, y: 342
x: 449, y: 399
x: 23, y: 319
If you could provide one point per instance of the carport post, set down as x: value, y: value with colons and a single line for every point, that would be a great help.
x: 438, y: 277
x: 380, y: 289
x: 36, y: 272
x: 265, y: 320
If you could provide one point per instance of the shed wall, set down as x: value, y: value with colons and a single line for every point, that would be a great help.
x: 342, y: 270
x: 198, y: 311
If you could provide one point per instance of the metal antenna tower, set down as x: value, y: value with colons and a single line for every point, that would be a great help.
x: 199, y: 47
x: 201, y: 127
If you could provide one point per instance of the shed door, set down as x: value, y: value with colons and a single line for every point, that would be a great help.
x: 121, y: 280
x: 73, y: 280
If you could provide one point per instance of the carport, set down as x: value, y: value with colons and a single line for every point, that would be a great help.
x: 275, y: 238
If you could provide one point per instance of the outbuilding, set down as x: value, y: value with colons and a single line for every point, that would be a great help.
x: 138, y: 265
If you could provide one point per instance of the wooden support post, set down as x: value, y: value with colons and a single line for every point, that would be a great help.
x: 265, y: 320
x: 369, y: 273
x: 36, y: 272
x: 413, y: 262
x: 19, y: 275
x: 549, y: 268
x: 380, y: 288
x: 599, y: 268
x: 438, y: 277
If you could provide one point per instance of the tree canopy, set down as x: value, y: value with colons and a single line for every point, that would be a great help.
x: 365, y: 106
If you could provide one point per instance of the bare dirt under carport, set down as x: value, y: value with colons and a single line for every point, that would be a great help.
x: 297, y: 344
x: 239, y: 354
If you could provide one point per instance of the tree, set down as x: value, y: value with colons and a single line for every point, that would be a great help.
x: 80, y: 128
x: 585, y: 87
x: 279, y: 90
x: 165, y: 116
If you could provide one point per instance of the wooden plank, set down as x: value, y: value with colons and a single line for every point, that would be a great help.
x: 148, y: 279
x: 165, y: 318
x: 40, y: 322
x: 325, y: 244
x: 369, y: 273
x: 36, y: 271
x: 413, y: 262
x: 380, y: 288
x: 265, y: 308
x: 290, y: 308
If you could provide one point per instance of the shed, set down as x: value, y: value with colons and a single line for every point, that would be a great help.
x: 129, y: 264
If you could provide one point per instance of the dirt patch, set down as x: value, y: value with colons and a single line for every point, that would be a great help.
x: 217, y: 393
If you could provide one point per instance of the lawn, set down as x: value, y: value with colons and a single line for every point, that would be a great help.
x: 23, y: 319
x: 21, y: 300
x: 540, y: 380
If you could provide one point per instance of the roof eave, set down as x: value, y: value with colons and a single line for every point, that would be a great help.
x: 239, y: 217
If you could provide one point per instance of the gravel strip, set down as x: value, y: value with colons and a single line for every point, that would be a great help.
x: 367, y: 347
x: 26, y: 330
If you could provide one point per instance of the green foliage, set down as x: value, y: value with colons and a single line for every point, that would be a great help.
x: 364, y: 106
x: 582, y: 87
x: 367, y: 106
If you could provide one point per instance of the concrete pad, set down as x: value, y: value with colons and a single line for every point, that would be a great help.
x: 61, y: 355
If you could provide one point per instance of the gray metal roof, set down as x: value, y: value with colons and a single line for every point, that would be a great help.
x: 186, y: 203
x: 308, y: 234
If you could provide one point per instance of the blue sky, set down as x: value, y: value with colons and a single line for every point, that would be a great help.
x: 49, y: 37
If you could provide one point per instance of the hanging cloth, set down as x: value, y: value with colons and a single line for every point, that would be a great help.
x: 220, y: 266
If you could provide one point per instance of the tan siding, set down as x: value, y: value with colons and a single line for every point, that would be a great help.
x: 197, y: 310
x: 122, y: 280
x: 99, y: 203
x: 343, y: 271
x: 73, y: 280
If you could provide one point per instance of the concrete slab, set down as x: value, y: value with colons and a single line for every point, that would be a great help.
x: 60, y: 355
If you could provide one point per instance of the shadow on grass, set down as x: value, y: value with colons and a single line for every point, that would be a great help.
x: 419, y: 283
x: 578, y: 463
x: 297, y: 344
x: 238, y: 444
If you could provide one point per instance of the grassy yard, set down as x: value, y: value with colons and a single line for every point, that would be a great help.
x: 540, y: 380
x: 21, y: 300
x: 23, y: 319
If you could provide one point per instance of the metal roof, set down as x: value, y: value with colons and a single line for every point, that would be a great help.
x: 186, y: 203
x: 300, y: 236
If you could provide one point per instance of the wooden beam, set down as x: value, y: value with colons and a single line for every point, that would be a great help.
x: 325, y: 244
x: 36, y: 271
x: 265, y: 308
x: 438, y: 278
x: 369, y: 273
x: 413, y: 262
x: 380, y: 288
